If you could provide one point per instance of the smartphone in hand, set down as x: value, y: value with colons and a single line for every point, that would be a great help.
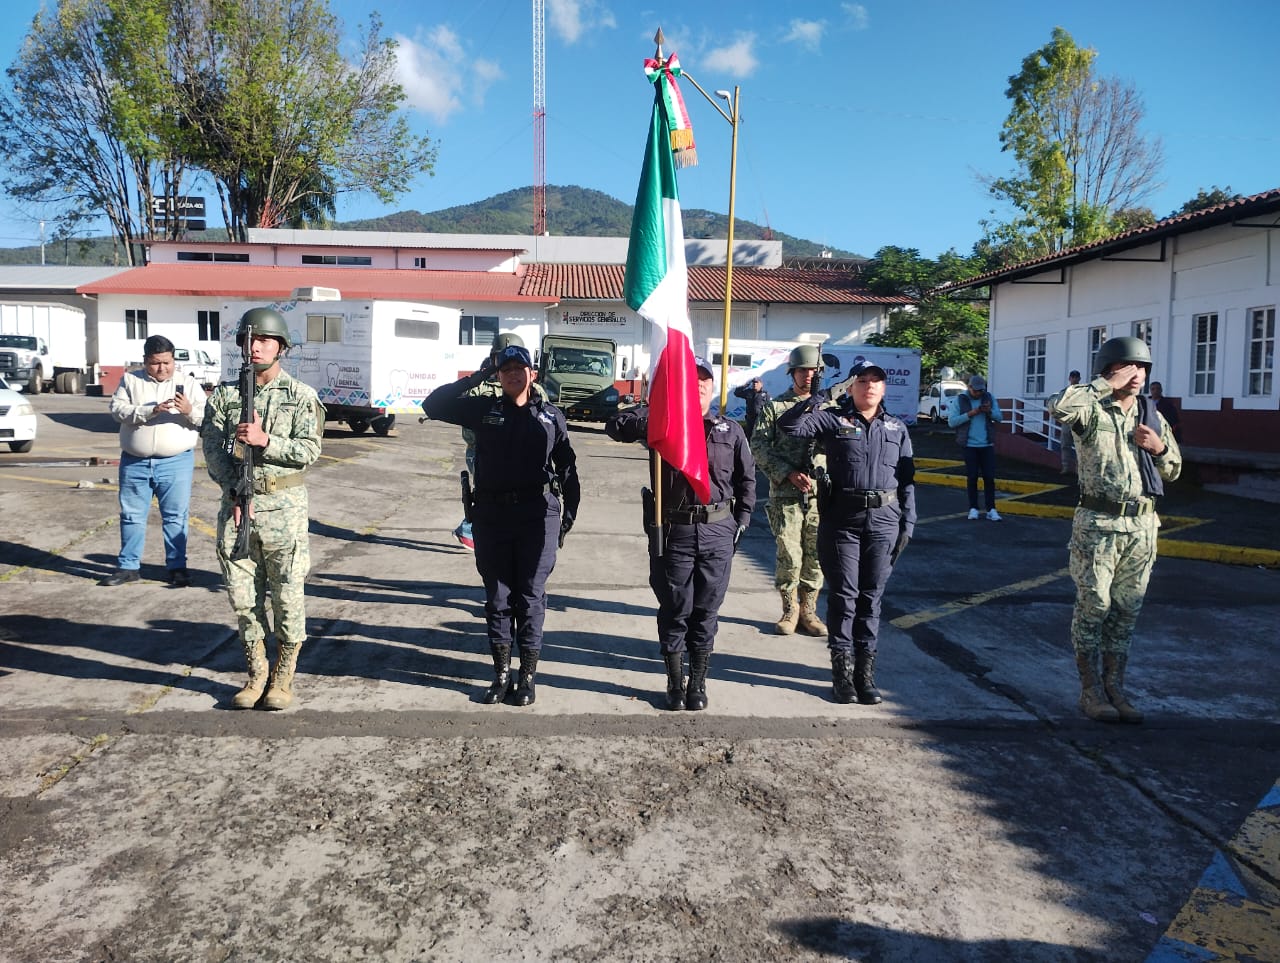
x: 179, y: 390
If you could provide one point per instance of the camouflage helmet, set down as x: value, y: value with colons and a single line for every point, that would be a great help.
x: 504, y: 341
x: 1121, y: 350
x: 264, y: 322
x: 804, y: 356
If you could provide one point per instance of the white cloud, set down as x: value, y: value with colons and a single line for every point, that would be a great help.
x: 436, y: 74
x: 738, y: 59
x: 807, y: 33
x: 859, y: 16
x: 570, y: 19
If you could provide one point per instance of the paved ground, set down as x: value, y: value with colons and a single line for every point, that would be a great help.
x: 972, y: 816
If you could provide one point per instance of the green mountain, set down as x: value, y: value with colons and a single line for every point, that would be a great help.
x: 571, y: 211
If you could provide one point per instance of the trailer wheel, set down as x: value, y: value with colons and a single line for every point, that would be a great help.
x: 75, y: 382
x: 358, y: 425
x: 383, y: 424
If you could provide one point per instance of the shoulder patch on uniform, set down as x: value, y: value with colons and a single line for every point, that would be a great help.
x: 546, y: 416
x: 721, y: 426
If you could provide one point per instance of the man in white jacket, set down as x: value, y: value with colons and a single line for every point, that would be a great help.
x: 159, y: 417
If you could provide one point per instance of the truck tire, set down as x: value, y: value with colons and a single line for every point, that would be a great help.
x: 75, y: 382
x: 22, y: 445
x: 383, y: 424
x: 36, y: 385
x: 60, y: 383
x: 358, y: 426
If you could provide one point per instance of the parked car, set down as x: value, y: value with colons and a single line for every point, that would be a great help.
x: 935, y: 402
x: 17, y: 419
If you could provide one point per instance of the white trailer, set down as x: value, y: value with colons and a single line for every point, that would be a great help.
x: 44, y: 344
x: 767, y: 360
x: 368, y: 360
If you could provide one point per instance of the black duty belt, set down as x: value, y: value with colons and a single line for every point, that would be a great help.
x: 860, y: 498
x: 697, y: 514
x: 1126, y: 509
x: 510, y: 496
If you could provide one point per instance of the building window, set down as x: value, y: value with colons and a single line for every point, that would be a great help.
x: 419, y: 262
x: 1205, y: 326
x: 341, y: 260
x: 324, y: 328
x: 417, y: 328
x: 195, y: 255
x: 1096, y: 338
x: 1262, y: 350
x: 1142, y: 329
x: 1034, y: 385
x: 475, y: 329
x: 207, y: 326
x: 232, y: 257
x: 135, y: 324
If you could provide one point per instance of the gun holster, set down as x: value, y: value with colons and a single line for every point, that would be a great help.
x: 824, y: 488
x: 649, y: 510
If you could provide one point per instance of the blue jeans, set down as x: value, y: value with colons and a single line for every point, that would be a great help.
x: 170, y: 480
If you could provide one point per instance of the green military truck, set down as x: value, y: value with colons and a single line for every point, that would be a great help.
x: 578, y: 376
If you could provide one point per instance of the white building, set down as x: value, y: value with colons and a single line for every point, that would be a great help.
x: 1201, y: 289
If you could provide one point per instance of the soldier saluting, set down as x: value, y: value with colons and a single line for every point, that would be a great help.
x: 282, y: 436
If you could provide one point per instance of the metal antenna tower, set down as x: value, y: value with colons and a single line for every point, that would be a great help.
x: 539, y: 118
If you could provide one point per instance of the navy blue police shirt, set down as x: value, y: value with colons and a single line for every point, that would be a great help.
x: 518, y: 448
x: 730, y: 464
x: 862, y: 454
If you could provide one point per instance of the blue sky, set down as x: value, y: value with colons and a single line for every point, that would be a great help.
x: 863, y: 124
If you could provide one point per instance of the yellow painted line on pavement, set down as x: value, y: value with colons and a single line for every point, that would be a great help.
x: 913, y: 619
x: 203, y: 527
x: 1234, y: 911
x: 62, y: 483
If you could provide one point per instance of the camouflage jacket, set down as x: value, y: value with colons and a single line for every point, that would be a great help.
x: 289, y: 412
x: 1106, y: 456
x: 778, y: 455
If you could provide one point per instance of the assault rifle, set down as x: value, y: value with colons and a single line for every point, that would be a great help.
x: 244, y: 487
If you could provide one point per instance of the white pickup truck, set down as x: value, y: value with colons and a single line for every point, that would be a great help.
x: 197, y: 363
x: 25, y: 362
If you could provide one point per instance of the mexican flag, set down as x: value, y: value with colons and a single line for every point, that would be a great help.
x: 656, y: 287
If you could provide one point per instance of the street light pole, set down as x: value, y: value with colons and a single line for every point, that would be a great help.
x: 733, y: 116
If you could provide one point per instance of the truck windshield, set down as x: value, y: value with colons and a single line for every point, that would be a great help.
x: 579, y: 361
x: 17, y: 341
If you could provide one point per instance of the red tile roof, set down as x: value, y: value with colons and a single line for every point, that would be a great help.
x: 252, y: 282
x: 603, y: 282
x: 1267, y: 202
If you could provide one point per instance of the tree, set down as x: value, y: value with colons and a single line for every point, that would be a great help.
x: 1081, y: 158
x: 945, y: 330
x: 1214, y: 197
x: 116, y: 102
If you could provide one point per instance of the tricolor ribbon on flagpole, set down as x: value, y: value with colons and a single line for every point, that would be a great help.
x: 663, y: 73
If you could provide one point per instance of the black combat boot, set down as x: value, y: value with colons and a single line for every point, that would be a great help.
x: 842, y: 678
x: 501, y: 675
x: 864, y: 678
x: 675, y: 680
x: 525, y: 694
x: 695, y: 698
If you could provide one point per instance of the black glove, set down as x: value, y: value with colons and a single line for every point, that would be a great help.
x: 897, y: 549
x: 487, y: 366
x: 565, y: 525
x: 737, y: 536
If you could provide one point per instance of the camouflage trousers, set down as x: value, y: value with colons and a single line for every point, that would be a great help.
x: 796, y: 536
x: 277, y: 566
x: 1111, y: 571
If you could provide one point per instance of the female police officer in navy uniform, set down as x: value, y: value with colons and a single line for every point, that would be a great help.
x: 691, y: 576
x: 867, y: 505
x: 525, y: 500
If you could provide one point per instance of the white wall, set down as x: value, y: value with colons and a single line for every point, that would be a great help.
x: 1228, y: 270
x: 170, y: 315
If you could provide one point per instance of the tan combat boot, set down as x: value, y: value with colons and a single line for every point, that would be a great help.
x: 1093, y: 703
x: 1113, y: 666
x: 255, y: 654
x: 809, y: 623
x: 280, y: 692
x: 790, y: 613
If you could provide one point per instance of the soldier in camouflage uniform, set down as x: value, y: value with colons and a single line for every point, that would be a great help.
x: 1125, y: 451
x: 489, y: 388
x: 790, y: 464
x: 286, y: 429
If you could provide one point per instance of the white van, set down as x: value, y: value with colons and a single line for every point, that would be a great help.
x: 935, y: 403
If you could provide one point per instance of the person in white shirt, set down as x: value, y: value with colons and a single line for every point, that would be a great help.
x: 160, y: 417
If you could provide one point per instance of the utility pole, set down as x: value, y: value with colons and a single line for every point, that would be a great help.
x: 539, y: 118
